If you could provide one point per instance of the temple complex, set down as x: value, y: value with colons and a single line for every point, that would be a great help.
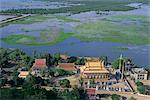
x: 94, y: 71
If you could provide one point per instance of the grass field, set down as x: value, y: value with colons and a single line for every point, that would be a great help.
x: 39, y: 18
x: 121, y: 48
x: 19, y: 39
x: 45, y: 38
x: 122, y: 29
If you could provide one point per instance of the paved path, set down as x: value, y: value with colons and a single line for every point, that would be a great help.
x: 13, y: 19
x: 132, y: 83
x: 126, y: 94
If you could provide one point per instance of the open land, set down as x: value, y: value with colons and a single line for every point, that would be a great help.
x: 122, y: 28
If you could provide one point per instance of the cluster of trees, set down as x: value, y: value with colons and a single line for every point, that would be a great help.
x: 16, y: 56
x: 32, y: 91
x: 115, y: 97
x: 42, y: 94
x: 116, y: 64
x: 76, y: 60
x: 10, y: 57
x: 143, y: 89
x: 19, y: 82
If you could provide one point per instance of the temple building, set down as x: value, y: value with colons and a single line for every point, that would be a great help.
x: 94, y: 71
x: 38, y: 66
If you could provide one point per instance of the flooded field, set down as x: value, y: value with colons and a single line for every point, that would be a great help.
x: 46, y: 34
x: 28, y: 4
x: 4, y: 17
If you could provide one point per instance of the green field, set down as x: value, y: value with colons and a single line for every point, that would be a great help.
x: 127, y: 29
x: 45, y: 38
x: 123, y: 29
x: 19, y: 39
x: 121, y: 48
x: 40, y: 18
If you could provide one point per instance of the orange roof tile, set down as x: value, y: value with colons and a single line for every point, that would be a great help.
x: 90, y: 90
x: 40, y: 64
x: 67, y: 66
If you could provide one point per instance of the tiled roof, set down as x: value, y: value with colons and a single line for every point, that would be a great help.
x: 67, y: 66
x: 23, y: 74
x: 40, y: 64
x: 90, y: 90
x: 94, y: 67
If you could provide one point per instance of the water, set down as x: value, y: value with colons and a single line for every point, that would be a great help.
x: 4, y: 17
x: 75, y: 47
x: 24, y: 4
x: 139, y: 54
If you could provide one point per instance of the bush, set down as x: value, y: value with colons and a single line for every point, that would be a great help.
x: 115, y: 97
x: 65, y: 83
x: 132, y: 98
x: 138, y: 83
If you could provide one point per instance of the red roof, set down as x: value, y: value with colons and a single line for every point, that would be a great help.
x: 40, y: 64
x: 67, y: 66
x: 90, y: 90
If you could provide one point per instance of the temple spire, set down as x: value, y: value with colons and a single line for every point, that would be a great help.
x: 121, y: 57
x: 121, y: 66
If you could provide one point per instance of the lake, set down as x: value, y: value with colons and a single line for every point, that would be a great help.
x: 73, y: 46
x: 24, y: 4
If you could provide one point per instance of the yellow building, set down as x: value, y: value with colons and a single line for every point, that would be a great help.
x: 94, y: 70
x: 23, y: 74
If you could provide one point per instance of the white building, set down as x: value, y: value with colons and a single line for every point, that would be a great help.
x: 139, y: 74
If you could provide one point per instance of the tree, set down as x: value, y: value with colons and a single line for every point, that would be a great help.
x: 3, y: 81
x: 138, y: 83
x: 15, y: 76
x: 3, y: 58
x: 148, y: 70
x: 51, y: 72
x: 81, y: 81
x: 49, y: 59
x: 65, y: 83
x: 132, y: 98
x: 57, y: 56
x: 80, y: 61
x: 71, y: 59
x: 116, y: 64
x: 115, y: 97
x: 30, y: 63
x: 104, y: 58
x: 141, y: 89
